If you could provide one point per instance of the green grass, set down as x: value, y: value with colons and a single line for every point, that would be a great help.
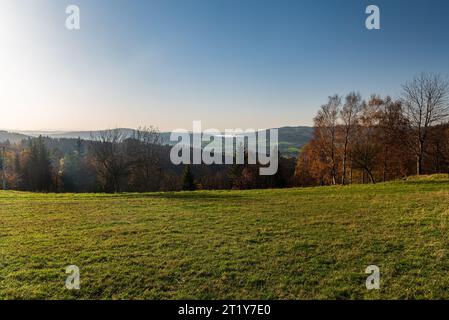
x: 268, y: 244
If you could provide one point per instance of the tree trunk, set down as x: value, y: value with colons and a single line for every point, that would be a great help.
x: 345, y: 155
x: 371, y: 176
x: 419, y: 158
x: 334, y: 177
x: 419, y: 164
x: 350, y: 172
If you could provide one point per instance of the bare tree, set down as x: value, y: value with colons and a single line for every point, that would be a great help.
x: 349, y: 115
x: 144, y: 151
x: 365, y: 151
x: 392, y: 135
x: 111, y: 160
x: 426, y: 104
x: 326, y: 123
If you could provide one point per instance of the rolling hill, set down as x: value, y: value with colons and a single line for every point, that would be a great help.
x: 11, y: 137
x: 311, y: 243
x: 291, y: 139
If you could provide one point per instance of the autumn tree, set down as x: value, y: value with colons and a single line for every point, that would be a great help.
x: 143, y: 149
x: 349, y: 117
x: 326, y: 123
x: 392, y: 135
x: 426, y: 104
x: 311, y: 167
x: 365, y: 147
x: 110, y: 158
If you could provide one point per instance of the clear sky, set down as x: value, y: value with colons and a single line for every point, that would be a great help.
x: 229, y: 63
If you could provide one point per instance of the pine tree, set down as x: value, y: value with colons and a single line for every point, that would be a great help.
x: 37, y: 167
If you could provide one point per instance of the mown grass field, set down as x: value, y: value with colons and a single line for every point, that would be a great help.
x: 310, y: 243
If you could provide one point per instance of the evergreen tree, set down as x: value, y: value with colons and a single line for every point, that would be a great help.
x: 188, y: 180
x: 37, y: 169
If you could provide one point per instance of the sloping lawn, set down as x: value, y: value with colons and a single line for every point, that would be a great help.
x: 311, y: 243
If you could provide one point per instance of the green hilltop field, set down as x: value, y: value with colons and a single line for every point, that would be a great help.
x: 311, y: 243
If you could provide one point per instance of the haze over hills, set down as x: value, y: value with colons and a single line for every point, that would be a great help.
x: 291, y: 139
x: 11, y: 136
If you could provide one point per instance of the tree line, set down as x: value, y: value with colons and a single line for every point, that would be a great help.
x: 116, y: 161
x: 354, y: 141
x: 358, y: 141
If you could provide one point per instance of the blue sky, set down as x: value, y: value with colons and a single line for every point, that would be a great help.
x: 228, y: 63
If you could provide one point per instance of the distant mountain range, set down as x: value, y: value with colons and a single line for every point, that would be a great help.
x: 11, y: 136
x: 291, y: 139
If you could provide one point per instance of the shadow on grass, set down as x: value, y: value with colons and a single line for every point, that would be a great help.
x: 185, y: 195
x: 426, y: 182
x: 195, y: 196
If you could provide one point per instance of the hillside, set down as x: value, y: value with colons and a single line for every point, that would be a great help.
x: 11, y: 137
x: 291, y: 139
x: 262, y: 244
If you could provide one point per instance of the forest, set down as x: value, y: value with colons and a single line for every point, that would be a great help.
x: 354, y: 141
x: 358, y: 141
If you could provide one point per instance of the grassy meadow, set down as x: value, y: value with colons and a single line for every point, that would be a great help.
x: 311, y: 243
